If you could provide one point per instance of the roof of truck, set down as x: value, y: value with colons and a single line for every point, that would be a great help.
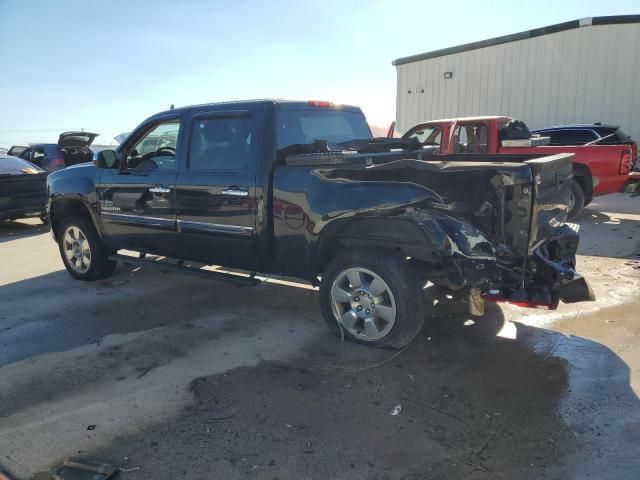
x: 275, y: 101
x: 479, y: 118
x: 536, y: 32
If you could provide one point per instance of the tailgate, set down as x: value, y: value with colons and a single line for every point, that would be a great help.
x: 552, y: 192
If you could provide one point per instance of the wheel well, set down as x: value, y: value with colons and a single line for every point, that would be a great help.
x: 582, y: 176
x: 62, y: 208
x: 397, y: 234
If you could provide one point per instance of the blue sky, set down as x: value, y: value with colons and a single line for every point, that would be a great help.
x: 106, y: 65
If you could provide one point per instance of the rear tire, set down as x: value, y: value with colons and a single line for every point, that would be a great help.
x: 577, y: 200
x: 373, y: 297
x: 84, y: 255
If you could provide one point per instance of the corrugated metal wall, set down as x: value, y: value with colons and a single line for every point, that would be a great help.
x: 584, y: 75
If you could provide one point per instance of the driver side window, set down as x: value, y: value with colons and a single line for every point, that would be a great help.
x: 156, y: 149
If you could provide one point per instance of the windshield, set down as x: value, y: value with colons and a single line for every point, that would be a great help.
x: 334, y: 126
x: 13, y: 166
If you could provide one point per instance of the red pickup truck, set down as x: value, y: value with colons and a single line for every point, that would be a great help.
x: 597, y: 169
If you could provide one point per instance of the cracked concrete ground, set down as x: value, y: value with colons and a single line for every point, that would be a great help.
x: 195, y: 379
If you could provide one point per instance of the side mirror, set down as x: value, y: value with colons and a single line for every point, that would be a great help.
x: 106, y: 159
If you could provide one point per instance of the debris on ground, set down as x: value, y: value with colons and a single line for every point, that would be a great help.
x: 128, y: 470
x: 395, y: 411
x: 71, y: 470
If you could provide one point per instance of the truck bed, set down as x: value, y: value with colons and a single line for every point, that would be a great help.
x: 516, y: 204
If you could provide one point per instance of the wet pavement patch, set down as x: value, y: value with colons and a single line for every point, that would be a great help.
x: 472, y: 405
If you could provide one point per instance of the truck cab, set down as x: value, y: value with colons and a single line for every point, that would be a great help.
x: 193, y: 183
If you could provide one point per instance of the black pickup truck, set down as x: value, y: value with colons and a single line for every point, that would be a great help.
x: 301, y: 189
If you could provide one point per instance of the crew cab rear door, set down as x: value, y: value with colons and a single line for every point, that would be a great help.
x: 216, y: 191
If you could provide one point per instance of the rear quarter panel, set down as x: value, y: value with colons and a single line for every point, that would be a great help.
x: 307, y: 199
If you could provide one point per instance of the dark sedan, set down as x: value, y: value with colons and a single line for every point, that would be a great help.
x: 23, y: 189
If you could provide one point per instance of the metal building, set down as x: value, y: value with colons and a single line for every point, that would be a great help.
x: 583, y: 71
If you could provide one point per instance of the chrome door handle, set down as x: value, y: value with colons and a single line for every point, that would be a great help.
x: 235, y: 192
x: 159, y: 189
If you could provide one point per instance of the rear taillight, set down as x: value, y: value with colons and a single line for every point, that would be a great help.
x: 57, y: 162
x: 626, y: 162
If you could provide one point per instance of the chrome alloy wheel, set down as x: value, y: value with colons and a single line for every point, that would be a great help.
x: 363, y: 304
x: 76, y: 248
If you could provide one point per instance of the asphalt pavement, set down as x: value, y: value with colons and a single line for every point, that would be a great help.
x: 171, y: 376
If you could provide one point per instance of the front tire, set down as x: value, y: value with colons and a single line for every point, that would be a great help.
x: 84, y: 255
x: 374, y: 297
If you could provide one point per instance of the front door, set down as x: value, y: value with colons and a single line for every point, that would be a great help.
x: 215, y: 191
x: 137, y: 200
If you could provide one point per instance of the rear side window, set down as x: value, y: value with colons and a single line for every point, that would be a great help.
x: 571, y: 137
x: 470, y: 139
x: 618, y: 136
x: 306, y: 126
x: 622, y: 136
x: 220, y: 143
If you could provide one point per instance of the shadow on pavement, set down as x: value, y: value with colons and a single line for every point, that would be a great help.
x: 616, y: 203
x: 472, y: 405
x: 608, y: 235
x: 15, y: 230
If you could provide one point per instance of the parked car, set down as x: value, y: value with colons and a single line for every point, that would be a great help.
x: 583, y: 134
x: 23, y: 189
x: 72, y: 148
x: 301, y: 189
x: 597, y: 169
